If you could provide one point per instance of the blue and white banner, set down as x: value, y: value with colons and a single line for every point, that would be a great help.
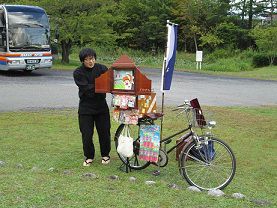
x: 169, y: 62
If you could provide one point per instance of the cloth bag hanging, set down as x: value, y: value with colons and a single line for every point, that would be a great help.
x: 125, y: 143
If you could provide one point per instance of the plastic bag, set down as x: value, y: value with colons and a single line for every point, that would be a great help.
x: 125, y: 143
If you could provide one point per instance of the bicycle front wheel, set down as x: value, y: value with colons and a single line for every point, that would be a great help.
x: 211, y: 165
x: 133, y: 162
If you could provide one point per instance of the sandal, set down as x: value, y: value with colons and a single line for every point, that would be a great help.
x: 87, y: 162
x: 106, y: 160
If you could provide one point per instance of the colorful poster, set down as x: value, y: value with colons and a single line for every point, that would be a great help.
x: 149, y: 143
x: 147, y: 104
x: 123, y: 79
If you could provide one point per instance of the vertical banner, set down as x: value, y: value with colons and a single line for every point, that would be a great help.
x: 169, y: 62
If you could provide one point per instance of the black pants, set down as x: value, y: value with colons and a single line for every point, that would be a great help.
x: 103, y: 125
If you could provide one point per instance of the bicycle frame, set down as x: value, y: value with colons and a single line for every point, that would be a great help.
x: 167, y: 140
x: 183, y: 137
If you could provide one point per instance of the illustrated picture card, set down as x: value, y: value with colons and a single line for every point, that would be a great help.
x: 124, y: 80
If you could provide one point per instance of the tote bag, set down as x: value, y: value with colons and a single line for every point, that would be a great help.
x: 125, y: 143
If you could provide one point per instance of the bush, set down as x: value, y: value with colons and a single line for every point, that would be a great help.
x: 260, y: 60
x: 219, y: 54
x: 247, y: 54
x: 228, y: 65
x: 273, y: 56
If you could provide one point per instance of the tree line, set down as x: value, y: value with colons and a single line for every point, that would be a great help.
x: 141, y: 24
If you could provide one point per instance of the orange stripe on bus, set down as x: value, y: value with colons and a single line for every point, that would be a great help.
x: 10, y: 54
x: 19, y: 55
x: 47, y: 54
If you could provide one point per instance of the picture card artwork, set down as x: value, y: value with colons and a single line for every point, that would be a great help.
x: 149, y: 143
x: 124, y: 80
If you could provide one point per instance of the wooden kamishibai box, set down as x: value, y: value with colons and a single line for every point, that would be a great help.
x: 124, y: 67
x: 124, y: 78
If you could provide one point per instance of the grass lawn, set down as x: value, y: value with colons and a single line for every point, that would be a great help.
x: 43, y: 159
x: 264, y: 73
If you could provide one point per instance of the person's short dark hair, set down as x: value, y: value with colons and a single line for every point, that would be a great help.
x: 86, y: 52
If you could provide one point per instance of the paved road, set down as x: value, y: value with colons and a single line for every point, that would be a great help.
x: 56, y: 89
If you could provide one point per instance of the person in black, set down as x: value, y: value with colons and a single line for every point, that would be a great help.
x: 93, y: 108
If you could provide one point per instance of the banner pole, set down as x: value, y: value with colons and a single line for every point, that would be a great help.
x: 163, y: 76
x: 162, y: 118
x: 158, y: 172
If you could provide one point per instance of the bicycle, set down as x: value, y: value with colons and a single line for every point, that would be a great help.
x: 205, y: 161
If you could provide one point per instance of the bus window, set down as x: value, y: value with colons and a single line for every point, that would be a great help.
x: 28, y: 18
x: 2, y: 31
x: 2, y: 19
x: 19, y: 37
x: 29, y: 30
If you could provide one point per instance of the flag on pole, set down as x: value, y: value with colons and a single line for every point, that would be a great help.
x: 169, y: 62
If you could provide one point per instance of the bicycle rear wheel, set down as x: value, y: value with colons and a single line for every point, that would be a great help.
x: 134, y: 161
x: 209, y: 166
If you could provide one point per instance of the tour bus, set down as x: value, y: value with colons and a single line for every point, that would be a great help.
x: 24, y: 38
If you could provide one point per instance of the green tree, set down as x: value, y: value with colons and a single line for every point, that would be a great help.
x: 16, y: 2
x: 210, y: 41
x: 142, y: 23
x: 80, y: 22
x: 232, y: 35
x: 268, y: 8
x: 250, y: 11
x: 266, y: 40
x: 201, y: 14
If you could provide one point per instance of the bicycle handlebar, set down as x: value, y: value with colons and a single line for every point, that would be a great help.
x: 184, y: 106
x: 176, y: 109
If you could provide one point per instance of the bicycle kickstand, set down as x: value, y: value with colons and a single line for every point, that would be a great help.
x: 157, y: 172
x: 128, y: 169
x: 125, y: 167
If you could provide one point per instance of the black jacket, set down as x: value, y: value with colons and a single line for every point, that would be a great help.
x: 90, y: 102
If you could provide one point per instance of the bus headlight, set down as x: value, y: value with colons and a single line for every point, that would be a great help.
x: 14, y: 62
x: 47, y: 60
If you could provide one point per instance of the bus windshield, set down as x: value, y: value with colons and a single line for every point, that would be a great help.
x: 28, y: 31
